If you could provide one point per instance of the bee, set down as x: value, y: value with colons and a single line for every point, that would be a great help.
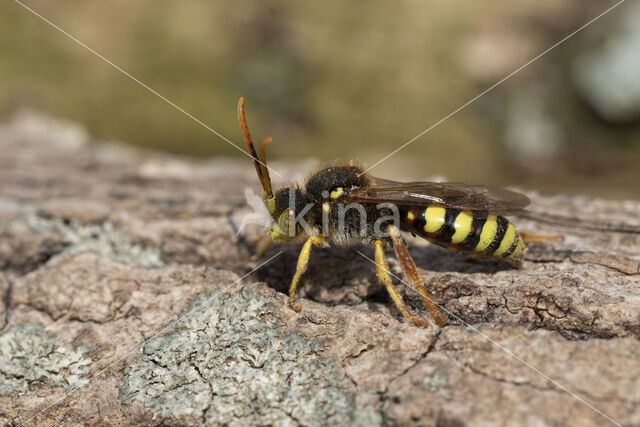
x: 341, y: 205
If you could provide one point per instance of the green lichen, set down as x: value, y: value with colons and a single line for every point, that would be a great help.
x: 102, y: 239
x: 227, y: 363
x: 30, y: 356
x: 437, y: 382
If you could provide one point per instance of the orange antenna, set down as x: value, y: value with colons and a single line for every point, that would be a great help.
x: 262, y: 148
x: 259, y: 161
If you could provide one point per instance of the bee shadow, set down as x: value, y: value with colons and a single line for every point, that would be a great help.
x: 333, y: 276
x: 347, y: 275
x: 437, y: 259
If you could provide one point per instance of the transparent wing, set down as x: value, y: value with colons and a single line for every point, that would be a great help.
x: 448, y: 194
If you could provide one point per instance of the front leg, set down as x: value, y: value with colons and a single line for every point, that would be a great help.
x: 301, y: 267
x: 265, y: 244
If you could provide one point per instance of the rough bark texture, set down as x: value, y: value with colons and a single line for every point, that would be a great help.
x: 120, y: 303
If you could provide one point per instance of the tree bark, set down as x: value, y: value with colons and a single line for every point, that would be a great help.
x: 123, y: 300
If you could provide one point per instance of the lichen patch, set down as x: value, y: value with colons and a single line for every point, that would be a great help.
x: 228, y: 363
x: 30, y: 356
x: 103, y: 239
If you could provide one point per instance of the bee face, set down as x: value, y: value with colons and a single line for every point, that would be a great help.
x: 289, y: 202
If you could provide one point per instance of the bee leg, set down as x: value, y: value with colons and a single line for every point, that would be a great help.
x: 301, y: 267
x: 263, y: 250
x: 528, y: 237
x: 412, y: 274
x: 382, y: 270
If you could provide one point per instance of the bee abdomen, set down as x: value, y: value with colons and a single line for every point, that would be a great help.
x: 474, y: 233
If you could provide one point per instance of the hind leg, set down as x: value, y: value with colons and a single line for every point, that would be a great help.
x: 528, y: 237
x: 412, y: 274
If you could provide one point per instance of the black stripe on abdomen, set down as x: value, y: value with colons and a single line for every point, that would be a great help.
x: 448, y: 228
x: 479, y: 218
x: 512, y: 247
x: 500, y: 232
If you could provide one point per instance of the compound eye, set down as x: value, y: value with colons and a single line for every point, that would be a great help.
x: 284, y: 220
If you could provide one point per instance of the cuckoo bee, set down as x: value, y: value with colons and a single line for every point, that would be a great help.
x: 462, y: 218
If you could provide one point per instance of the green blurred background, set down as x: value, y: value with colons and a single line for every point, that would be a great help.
x: 339, y: 79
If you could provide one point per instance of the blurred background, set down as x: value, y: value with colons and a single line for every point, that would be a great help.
x: 337, y: 79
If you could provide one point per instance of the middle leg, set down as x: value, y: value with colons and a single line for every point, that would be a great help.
x: 382, y: 270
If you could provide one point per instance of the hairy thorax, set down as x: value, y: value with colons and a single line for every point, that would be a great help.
x: 341, y: 222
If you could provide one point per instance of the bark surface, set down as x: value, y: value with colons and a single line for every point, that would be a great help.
x: 123, y: 301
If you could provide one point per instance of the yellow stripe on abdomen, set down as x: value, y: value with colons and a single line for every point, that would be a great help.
x: 434, y: 218
x: 507, y: 240
x: 462, y: 225
x: 474, y: 233
x: 488, y: 233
